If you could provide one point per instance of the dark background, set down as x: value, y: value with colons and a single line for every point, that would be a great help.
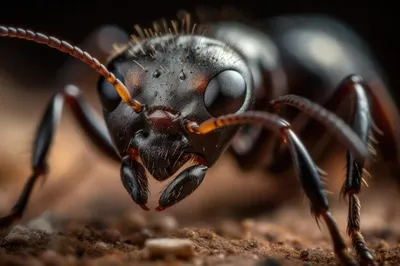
x: 73, y: 20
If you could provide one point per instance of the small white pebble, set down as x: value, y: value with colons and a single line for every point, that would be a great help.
x: 101, y: 246
x: 165, y: 247
x: 215, y: 251
x: 18, y: 235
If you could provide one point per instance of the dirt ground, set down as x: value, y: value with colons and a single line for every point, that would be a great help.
x: 288, y: 236
x: 82, y: 215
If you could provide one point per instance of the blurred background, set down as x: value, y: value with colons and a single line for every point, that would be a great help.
x: 81, y: 181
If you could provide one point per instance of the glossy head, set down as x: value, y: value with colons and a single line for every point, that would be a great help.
x: 176, y: 78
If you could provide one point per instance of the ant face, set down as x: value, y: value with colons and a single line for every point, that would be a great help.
x: 177, y: 79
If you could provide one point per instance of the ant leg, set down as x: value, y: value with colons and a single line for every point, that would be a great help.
x: 252, y: 143
x: 305, y: 168
x: 310, y: 180
x: 44, y: 137
x: 361, y: 125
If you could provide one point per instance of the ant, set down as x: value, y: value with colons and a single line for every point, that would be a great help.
x: 175, y: 94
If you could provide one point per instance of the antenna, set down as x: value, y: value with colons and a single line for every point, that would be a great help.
x: 76, y: 52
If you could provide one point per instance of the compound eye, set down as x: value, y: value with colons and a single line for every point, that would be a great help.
x: 109, y: 97
x: 225, y: 93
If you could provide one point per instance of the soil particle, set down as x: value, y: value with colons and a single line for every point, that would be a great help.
x: 170, y: 248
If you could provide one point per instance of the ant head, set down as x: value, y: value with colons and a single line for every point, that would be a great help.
x: 154, y: 95
x: 176, y: 79
x: 155, y: 87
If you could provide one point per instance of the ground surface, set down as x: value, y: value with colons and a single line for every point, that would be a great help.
x: 289, y: 237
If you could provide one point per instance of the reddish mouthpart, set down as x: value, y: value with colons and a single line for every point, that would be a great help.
x: 159, y: 208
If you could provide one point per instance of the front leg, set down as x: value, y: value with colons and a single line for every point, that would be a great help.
x: 361, y: 125
x: 310, y: 180
x: 305, y: 168
x: 95, y: 130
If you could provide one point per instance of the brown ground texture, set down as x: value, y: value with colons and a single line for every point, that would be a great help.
x: 82, y: 215
x: 286, y: 237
